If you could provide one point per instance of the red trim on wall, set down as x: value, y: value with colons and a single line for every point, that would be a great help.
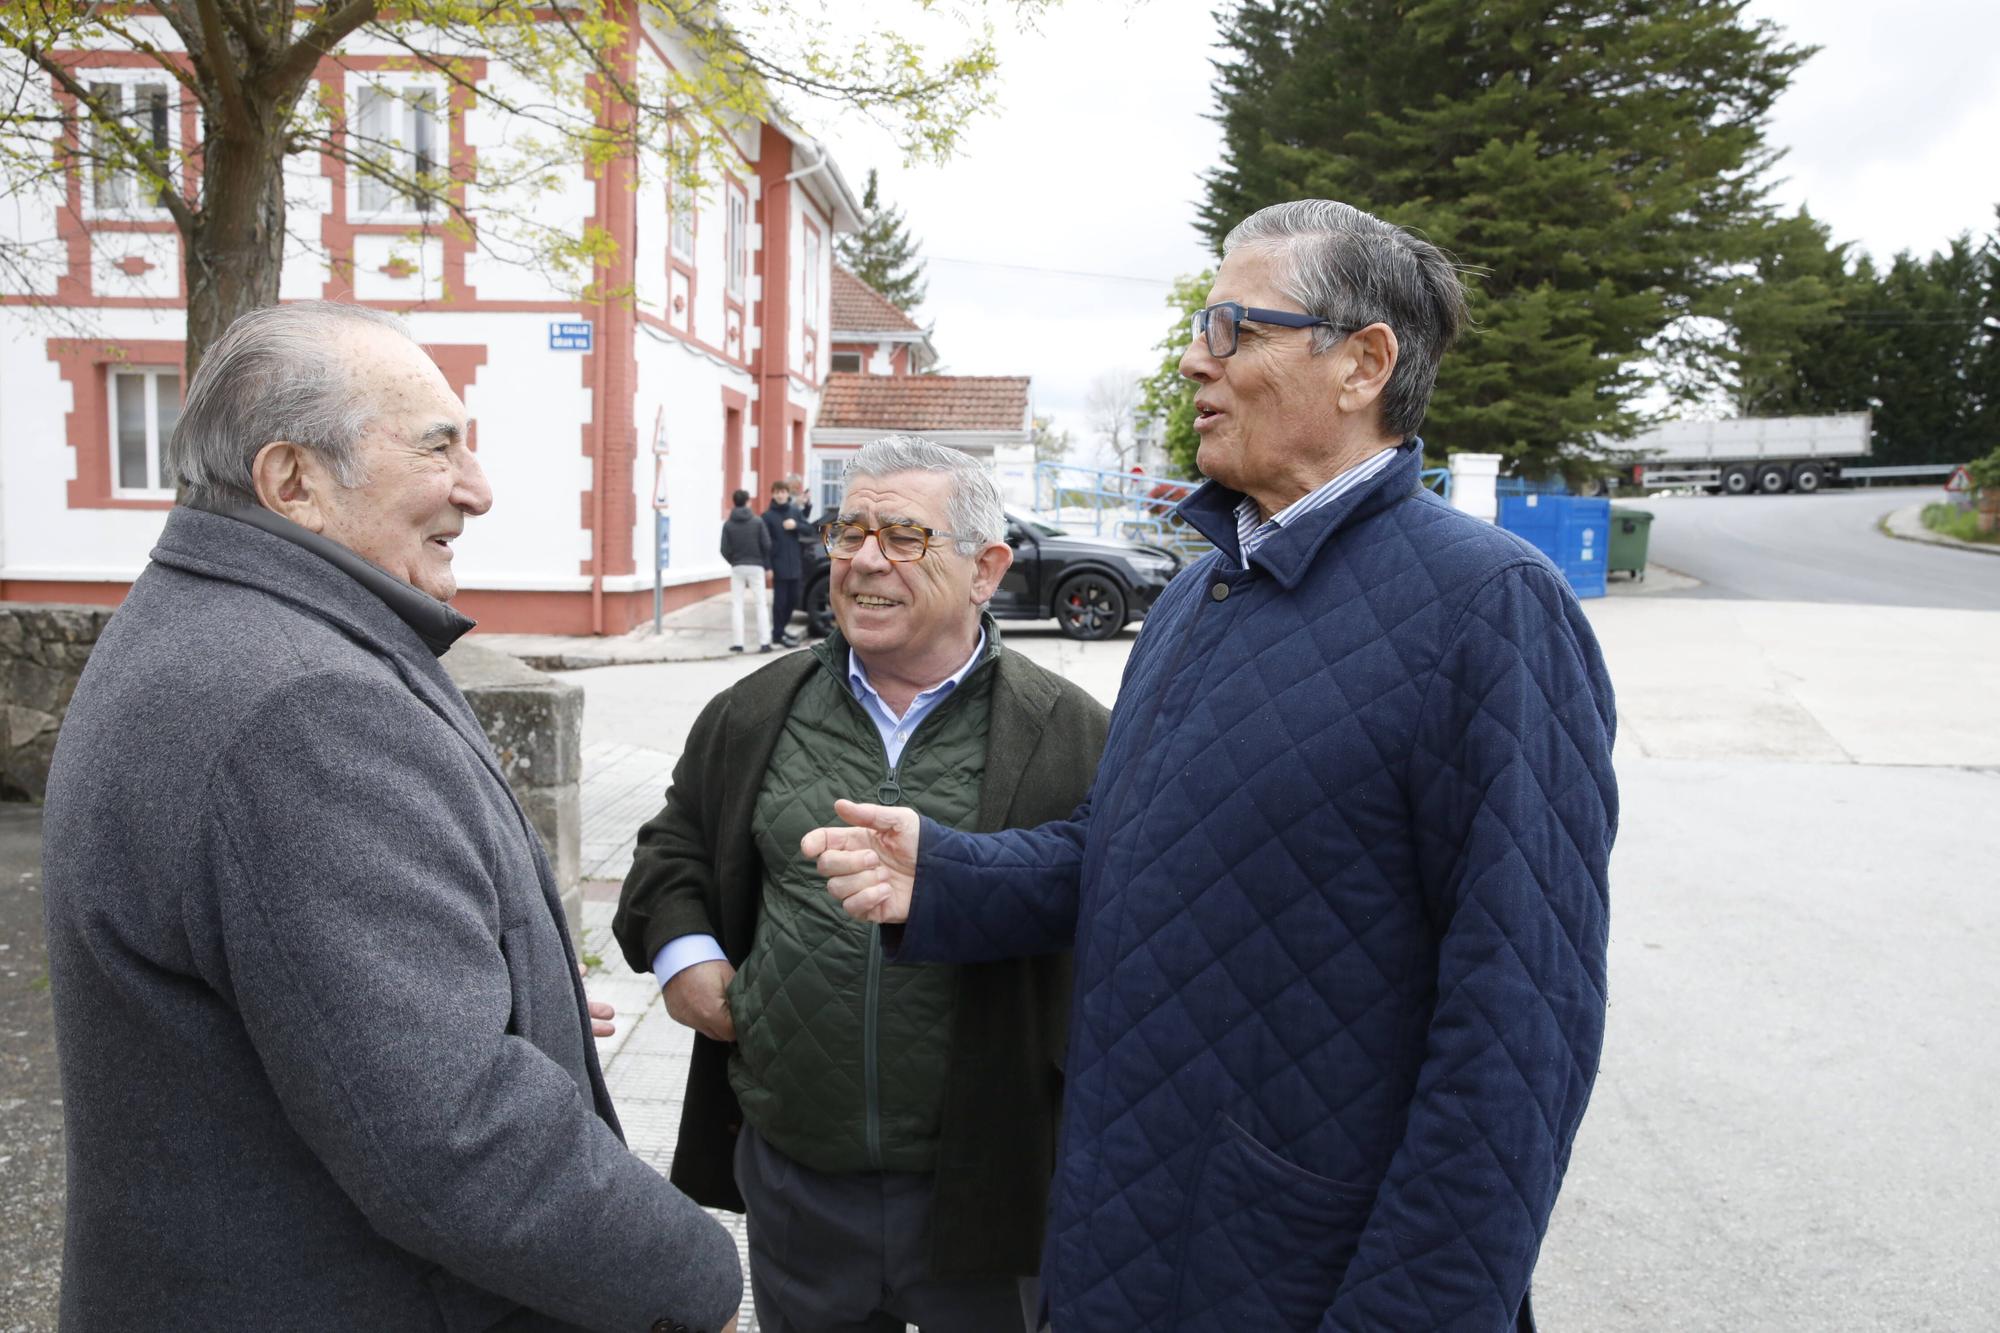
x: 337, y: 231
x: 87, y: 429
x: 774, y: 255
x: 735, y: 416
x: 74, y: 287
x: 460, y: 363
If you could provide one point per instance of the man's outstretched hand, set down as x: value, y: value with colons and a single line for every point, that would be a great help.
x: 870, y: 864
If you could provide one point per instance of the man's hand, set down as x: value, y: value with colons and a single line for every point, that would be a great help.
x: 790, y: 524
x: 730, y: 1327
x: 698, y: 998
x: 601, y: 1013
x: 872, y: 865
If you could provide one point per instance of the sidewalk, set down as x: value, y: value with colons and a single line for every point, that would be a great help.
x: 1907, y: 523
x: 696, y: 633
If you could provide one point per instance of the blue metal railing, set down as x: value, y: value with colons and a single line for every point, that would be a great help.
x: 1438, y: 479
x: 1133, y: 505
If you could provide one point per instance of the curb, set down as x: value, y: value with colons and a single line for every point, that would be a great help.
x: 1907, y: 525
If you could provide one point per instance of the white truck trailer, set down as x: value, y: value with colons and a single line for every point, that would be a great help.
x: 1766, y: 455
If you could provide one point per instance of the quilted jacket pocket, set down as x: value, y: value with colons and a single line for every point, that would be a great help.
x: 1266, y: 1242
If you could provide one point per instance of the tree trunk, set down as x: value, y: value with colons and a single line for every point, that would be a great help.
x: 237, y: 249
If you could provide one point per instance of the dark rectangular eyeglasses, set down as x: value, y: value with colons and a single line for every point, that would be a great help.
x: 1218, y: 324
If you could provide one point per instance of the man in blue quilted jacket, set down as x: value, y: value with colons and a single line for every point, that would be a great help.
x: 1338, y: 896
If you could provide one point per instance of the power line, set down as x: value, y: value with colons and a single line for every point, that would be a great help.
x: 1059, y: 272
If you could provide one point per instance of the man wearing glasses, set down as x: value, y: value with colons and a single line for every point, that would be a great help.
x: 897, y: 1125
x: 1339, y: 897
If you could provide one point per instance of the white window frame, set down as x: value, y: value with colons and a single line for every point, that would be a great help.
x: 156, y: 446
x: 810, y: 272
x: 683, y: 206
x: 736, y: 248
x: 831, y: 466
x: 166, y: 142
x: 407, y: 140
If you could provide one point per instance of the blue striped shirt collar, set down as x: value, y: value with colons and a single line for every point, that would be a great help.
x: 1253, y: 530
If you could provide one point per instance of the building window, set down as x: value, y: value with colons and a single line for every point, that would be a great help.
x: 845, y: 362
x: 811, y: 277
x: 145, y: 112
x: 830, y: 470
x: 738, y: 242
x: 145, y: 404
x: 680, y: 222
x: 399, y: 129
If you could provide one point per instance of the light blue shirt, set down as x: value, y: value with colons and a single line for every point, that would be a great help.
x: 1252, y: 532
x: 684, y: 951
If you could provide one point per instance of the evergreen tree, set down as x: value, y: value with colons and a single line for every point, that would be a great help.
x: 1167, y: 394
x: 882, y: 254
x: 1596, y: 164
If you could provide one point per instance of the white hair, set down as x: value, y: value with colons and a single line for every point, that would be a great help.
x: 973, y: 509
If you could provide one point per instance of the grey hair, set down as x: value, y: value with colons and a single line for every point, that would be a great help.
x: 275, y: 374
x: 1354, y: 269
x: 973, y: 511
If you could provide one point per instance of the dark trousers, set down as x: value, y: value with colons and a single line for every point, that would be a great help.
x: 784, y: 601
x: 848, y: 1254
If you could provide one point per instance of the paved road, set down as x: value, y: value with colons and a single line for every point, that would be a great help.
x: 31, y: 1143
x: 1815, y: 548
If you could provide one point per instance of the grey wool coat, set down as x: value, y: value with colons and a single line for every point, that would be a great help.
x: 325, y: 1058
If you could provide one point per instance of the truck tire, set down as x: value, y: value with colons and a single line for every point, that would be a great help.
x: 1774, y: 478
x: 1808, y: 478
x: 1737, y: 479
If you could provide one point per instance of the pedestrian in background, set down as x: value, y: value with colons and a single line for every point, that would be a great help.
x: 746, y: 546
x: 326, y: 1061
x: 782, y: 519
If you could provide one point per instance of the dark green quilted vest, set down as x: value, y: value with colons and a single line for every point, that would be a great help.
x: 840, y: 1059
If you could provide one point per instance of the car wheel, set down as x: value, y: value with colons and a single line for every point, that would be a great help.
x: 1737, y: 480
x: 819, y: 611
x: 1773, y: 478
x: 1808, y: 477
x: 1090, y: 606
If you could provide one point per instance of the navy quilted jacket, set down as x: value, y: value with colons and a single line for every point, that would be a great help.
x: 1339, y: 906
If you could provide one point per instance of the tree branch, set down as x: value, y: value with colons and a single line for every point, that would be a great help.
x: 243, y: 22
x: 235, y: 107
x: 302, y: 57
x: 142, y: 152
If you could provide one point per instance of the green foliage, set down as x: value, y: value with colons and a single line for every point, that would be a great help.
x: 1916, y: 344
x: 1984, y: 473
x: 883, y: 254
x: 1953, y: 521
x: 1051, y: 445
x: 1597, y: 166
x: 1167, y: 394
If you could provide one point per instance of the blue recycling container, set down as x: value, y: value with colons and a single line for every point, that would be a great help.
x: 1572, y: 531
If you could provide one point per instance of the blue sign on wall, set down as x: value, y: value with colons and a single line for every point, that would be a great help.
x: 569, y: 337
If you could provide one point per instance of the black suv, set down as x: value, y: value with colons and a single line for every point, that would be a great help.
x: 1091, y: 585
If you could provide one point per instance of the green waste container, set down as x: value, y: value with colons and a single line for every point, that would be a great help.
x: 1630, y: 529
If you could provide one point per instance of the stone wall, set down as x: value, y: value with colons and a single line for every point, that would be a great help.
x: 534, y: 721
x: 42, y: 652
x: 536, y: 725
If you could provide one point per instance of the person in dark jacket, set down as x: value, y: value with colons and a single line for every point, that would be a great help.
x: 783, y: 521
x: 897, y: 1126
x: 1339, y: 897
x: 746, y: 546
x: 326, y: 1061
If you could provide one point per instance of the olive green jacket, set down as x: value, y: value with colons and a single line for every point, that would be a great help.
x: 697, y: 871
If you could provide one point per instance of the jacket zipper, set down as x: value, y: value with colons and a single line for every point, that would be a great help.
x: 871, y: 991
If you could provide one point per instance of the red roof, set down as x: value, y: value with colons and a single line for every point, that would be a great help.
x: 859, y: 308
x: 924, y: 402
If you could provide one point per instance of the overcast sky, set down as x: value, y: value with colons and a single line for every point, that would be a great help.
x: 1053, y: 234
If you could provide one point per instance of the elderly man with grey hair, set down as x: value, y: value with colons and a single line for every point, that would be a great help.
x: 891, y: 1130
x: 1339, y: 897
x: 326, y: 1060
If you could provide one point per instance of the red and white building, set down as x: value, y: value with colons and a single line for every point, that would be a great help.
x: 878, y: 386
x: 585, y: 413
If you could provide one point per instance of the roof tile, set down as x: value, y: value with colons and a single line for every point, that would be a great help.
x: 924, y: 402
x: 859, y: 308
